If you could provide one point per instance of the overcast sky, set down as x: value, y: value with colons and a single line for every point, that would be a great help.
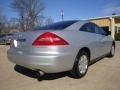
x: 73, y: 9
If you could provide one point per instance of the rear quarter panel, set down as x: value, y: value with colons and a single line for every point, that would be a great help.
x: 79, y: 39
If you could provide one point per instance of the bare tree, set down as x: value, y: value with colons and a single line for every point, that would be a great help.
x: 48, y: 20
x: 13, y: 23
x: 1, y: 20
x: 29, y: 12
x: 5, y: 25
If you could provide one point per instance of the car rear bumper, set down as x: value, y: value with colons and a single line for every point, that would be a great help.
x: 48, y: 63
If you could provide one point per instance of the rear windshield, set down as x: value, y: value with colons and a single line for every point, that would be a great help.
x: 10, y: 35
x: 58, y: 25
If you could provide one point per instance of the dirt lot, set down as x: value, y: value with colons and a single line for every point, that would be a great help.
x: 103, y: 75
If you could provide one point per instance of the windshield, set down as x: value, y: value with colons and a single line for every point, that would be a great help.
x: 58, y: 25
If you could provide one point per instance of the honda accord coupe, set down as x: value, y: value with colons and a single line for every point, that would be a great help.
x: 62, y: 46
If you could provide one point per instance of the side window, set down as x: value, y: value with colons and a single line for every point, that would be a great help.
x: 85, y: 28
x: 89, y: 27
x: 102, y: 32
x: 99, y: 30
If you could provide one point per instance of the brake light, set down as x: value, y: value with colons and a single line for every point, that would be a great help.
x: 49, y: 39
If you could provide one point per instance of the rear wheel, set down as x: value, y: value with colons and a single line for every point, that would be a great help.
x: 81, y: 65
x: 112, y: 51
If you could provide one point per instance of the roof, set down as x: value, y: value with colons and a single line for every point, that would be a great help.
x: 104, y: 17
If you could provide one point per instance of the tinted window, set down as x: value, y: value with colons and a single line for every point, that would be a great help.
x: 102, y: 31
x: 10, y: 34
x: 89, y: 27
x: 99, y: 30
x: 58, y: 25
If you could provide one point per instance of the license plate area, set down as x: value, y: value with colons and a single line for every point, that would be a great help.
x: 19, y: 43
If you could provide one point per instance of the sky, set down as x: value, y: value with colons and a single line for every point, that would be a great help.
x: 73, y: 9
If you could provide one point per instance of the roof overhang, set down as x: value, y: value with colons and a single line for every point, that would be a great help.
x: 104, y: 17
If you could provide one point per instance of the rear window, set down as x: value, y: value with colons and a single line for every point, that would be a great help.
x: 58, y: 25
x: 10, y: 35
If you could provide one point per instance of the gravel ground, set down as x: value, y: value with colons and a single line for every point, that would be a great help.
x: 103, y: 75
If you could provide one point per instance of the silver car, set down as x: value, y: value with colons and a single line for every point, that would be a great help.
x: 62, y: 46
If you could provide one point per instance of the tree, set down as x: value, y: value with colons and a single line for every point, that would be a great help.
x: 1, y: 20
x: 49, y: 20
x: 5, y: 25
x: 29, y: 12
x: 13, y: 23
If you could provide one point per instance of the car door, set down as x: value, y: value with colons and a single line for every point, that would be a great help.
x: 103, y: 38
x: 94, y: 40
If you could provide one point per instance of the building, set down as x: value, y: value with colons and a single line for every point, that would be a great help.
x: 111, y: 23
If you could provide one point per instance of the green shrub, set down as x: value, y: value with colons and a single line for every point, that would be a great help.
x: 117, y: 36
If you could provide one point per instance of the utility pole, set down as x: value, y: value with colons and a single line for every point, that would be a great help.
x: 62, y: 15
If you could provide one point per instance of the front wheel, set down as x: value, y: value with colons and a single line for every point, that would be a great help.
x: 81, y: 65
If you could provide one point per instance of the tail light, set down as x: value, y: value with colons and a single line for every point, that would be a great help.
x: 49, y: 39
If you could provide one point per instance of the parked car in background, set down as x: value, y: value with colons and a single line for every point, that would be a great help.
x: 5, y: 38
x: 2, y: 40
x: 8, y: 38
x: 63, y: 46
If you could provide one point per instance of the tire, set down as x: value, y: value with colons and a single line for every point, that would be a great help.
x: 112, y: 51
x: 80, y: 67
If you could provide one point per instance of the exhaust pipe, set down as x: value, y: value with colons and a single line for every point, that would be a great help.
x: 40, y: 73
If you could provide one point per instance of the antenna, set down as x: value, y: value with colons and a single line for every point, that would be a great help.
x: 62, y: 15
